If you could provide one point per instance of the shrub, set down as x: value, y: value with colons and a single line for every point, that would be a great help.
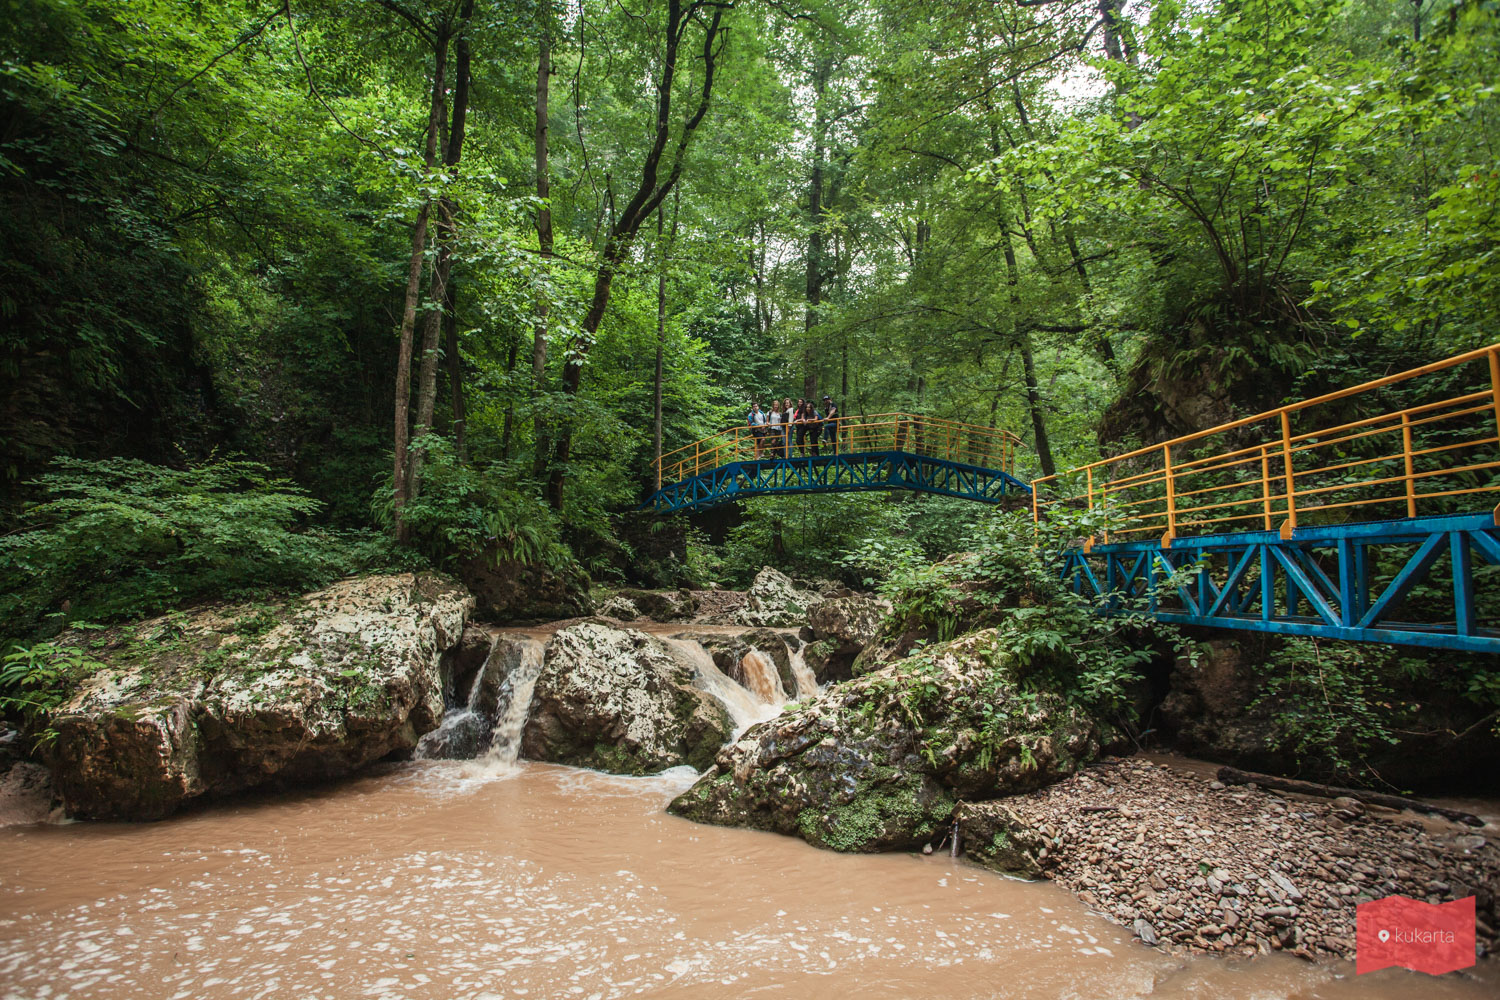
x: 122, y: 537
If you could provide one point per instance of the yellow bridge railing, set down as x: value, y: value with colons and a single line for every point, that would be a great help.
x: 950, y: 440
x: 1315, y: 461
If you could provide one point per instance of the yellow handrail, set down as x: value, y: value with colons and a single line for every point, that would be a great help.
x: 1196, y: 481
x: 933, y: 437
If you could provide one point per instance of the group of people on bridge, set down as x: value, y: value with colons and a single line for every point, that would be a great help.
x: 784, y: 426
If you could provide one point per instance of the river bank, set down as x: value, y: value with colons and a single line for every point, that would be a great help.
x: 438, y: 879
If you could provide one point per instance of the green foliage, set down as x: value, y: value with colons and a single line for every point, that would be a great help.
x: 464, y: 511
x: 122, y: 537
x: 1332, y: 704
x: 36, y: 679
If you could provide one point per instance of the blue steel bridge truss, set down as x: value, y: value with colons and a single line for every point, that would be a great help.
x: 872, y: 470
x: 1321, y: 581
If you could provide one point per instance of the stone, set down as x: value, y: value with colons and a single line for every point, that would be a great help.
x: 620, y: 608
x: 661, y: 605
x: 507, y: 591
x: 215, y: 700
x: 878, y: 762
x: 620, y: 700
x: 462, y: 735
x: 1145, y: 931
x: 773, y: 600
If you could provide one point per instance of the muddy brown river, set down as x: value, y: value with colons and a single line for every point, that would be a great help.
x: 465, y: 880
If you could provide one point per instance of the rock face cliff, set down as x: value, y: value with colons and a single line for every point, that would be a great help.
x: 879, y: 762
x: 220, y: 699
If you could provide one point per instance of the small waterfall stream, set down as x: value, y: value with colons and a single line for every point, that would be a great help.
x: 762, y: 679
x: 515, y: 704
x: 807, y: 681
x: 744, y: 708
x: 761, y: 697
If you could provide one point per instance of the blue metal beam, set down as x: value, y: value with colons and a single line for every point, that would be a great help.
x: 1340, y: 596
x: 845, y: 473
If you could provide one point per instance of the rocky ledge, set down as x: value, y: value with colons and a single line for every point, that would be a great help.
x: 878, y: 763
x: 220, y: 699
x: 1191, y: 864
x: 622, y: 701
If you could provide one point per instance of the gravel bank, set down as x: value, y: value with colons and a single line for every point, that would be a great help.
x: 1193, y: 865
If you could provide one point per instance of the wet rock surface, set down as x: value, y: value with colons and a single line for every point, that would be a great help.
x: 774, y: 600
x: 618, y: 700
x: 841, y: 628
x: 1193, y: 865
x: 729, y: 652
x: 220, y: 699
x: 878, y: 763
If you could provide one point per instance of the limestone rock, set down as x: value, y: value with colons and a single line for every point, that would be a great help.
x: 221, y: 699
x: 620, y: 608
x: 877, y: 763
x: 509, y: 591
x: 843, y: 626
x: 774, y: 600
x: 618, y: 700
x: 660, y: 605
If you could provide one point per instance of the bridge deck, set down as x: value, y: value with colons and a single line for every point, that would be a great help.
x: 842, y: 473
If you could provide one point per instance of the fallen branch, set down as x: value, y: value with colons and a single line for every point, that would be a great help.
x: 1234, y: 776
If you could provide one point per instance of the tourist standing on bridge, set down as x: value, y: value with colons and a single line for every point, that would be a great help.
x: 830, y: 425
x: 805, y: 417
x: 756, y: 421
x: 777, y: 425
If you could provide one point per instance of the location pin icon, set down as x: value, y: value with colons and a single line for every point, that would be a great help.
x: 1384, y: 936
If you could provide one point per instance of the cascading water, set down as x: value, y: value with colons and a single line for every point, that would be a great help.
x: 744, y: 708
x: 807, y: 681
x: 515, y: 699
x: 462, y: 731
x: 761, y: 678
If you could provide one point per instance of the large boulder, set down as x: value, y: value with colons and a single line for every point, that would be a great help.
x: 878, y: 762
x: 221, y: 699
x: 619, y: 700
x: 775, y: 601
x: 842, y: 627
x: 662, y: 605
x: 509, y: 591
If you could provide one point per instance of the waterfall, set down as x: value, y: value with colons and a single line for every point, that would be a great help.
x: 744, y: 708
x: 515, y: 700
x: 761, y: 677
x: 807, y: 681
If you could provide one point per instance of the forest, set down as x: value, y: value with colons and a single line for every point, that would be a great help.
x: 359, y: 356
x: 299, y: 289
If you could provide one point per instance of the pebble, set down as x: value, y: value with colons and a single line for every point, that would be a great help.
x: 1244, y: 872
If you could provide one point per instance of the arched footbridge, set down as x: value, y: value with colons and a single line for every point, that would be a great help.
x: 1366, y: 514
x: 882, y: 451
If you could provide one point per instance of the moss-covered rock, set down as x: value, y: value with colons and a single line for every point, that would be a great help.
x: 879, y: 762
x: 220, y: 699
x: 619, y: 700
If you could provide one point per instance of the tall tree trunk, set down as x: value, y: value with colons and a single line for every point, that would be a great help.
x: 544, y: 248
x: 401, y: 480
x: 661, y: 342
x: 649, y: 194
x: 455, y: 372
x: 815, y: 271
x: 1040, y: 440
x: 447, y: 238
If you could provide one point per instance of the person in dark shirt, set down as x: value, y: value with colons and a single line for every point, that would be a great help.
x: 830, y: 426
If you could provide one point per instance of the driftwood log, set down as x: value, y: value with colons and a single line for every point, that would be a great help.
x: 1234, y: 776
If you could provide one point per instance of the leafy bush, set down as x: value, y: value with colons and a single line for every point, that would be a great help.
x: 122, y: 537
x: 465, y: 510
x: 35, y: 680
x: 1053, y: 639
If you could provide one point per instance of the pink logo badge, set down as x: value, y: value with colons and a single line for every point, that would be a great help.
x: 1424, y: 937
